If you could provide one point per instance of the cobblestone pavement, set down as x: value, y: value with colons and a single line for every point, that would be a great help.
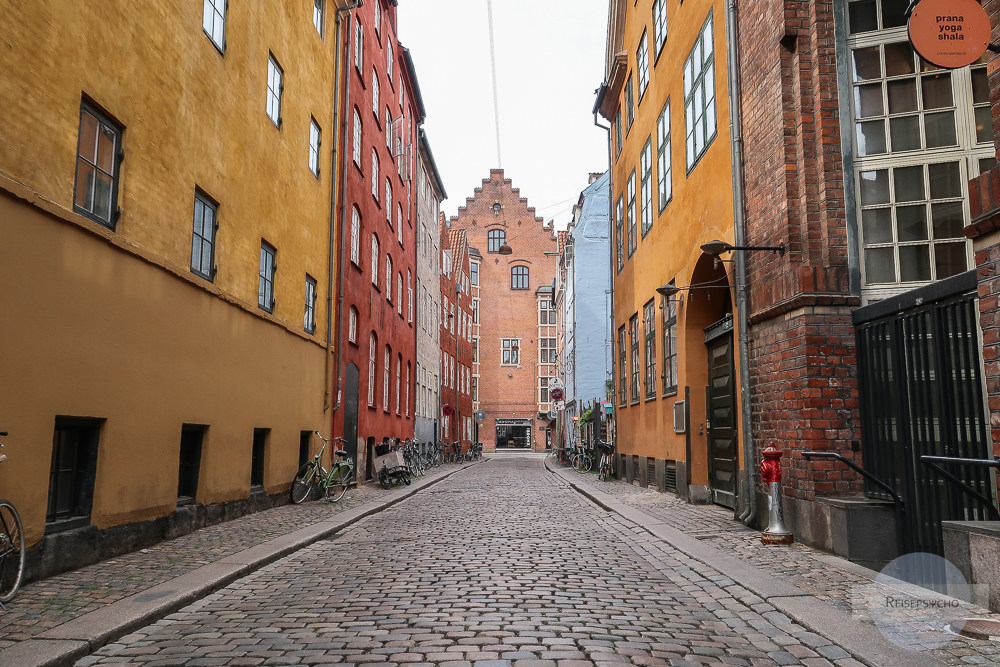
x: 501, y: 564
x: 841, y: 584
x: 53, y: 601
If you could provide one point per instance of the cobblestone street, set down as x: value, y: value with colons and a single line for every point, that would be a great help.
x: 502, y: 563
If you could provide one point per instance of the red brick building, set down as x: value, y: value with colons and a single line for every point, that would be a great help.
x: 516, y: 319
x: 375, y: 293
x: 456, y: 339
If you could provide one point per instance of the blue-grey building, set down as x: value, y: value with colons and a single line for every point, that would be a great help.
x: 583, y: 301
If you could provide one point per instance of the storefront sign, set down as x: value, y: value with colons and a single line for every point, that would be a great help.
x: 513, y: 422
x: 949, y: 33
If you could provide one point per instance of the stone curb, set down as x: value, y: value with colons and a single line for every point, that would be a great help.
x: 75, y: 639
x: 863, y: 641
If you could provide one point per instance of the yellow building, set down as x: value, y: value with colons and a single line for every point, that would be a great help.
x: 666, y: 99
x: 166, y: 260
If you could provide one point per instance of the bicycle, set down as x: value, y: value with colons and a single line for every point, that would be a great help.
x: 582, y: 461
x: 11, y: 546
x: 605, y: 468
x: 313, y: 476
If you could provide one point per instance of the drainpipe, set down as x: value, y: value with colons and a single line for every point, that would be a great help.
x: 343, y: 213
x: 749, y: 510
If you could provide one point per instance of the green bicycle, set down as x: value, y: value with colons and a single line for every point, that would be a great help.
x: 312, y: 476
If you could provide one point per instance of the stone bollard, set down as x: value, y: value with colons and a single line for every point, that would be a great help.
x: 770, y: 473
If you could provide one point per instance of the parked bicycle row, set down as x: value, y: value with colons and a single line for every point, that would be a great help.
x: 583, y: 459
x: 395, y: 463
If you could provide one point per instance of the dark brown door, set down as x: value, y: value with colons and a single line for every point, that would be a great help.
x: 722, y: 433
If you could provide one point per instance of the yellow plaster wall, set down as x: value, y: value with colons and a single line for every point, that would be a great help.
x: 701, y: 209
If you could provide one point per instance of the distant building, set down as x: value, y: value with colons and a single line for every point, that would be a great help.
x: 429, y: 192
x: 516, y: 345
x: 456, y: 340
x: 583, y: 297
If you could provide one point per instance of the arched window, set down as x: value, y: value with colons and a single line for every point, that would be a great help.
x: 399, y: 294
x: 388, y: 277
x: 407, y: 408
x: 497, y: 237
x: 409, y: 296
x: 352, y: 325
x: 375, y: 92
x: 519, y: 277
x: 372, y: 346
x: 399, y: 223
x: 388, y: 202
x: 374, y: 260
x: 385, y: 379
x: 374, y: 174
x: 399, y: 364
x: 357, y: 138
x: 355, y: 235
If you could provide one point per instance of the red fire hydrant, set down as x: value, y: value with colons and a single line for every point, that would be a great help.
x: 770, y: 473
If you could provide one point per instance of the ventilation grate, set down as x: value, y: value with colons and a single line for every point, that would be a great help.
x: 651, y: 472
x: 671, y: 477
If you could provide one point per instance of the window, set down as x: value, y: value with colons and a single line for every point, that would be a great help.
x: 620, y: 233
x: 388, y: 69
x: 260, y: 437
x: 357, y: 139
x: 274, y: 87
x: 388, y: 202
x: 375, y: 93
x: 378, y: 20
x: 374, y: 260
x: 319, y: 11
x: 399, y: 220
x: 475, y: 387
x: 618, y: 133
x: 355, y: 236
x: 374, y: 174
x: 629, y: 105
x: 352, y: 325
x: 265, y: 287
x: 546, y: 350
x: 631, y: 214
x: 399, y: 370
x: 189, y: 463
x: 407, y: 404
x: 203, y: 237
x: 633, y: 332
x: 663, y: 163
x: 622, y: 396
x: 95, y: 192
x: 546, y: 312
x: 646, y: 188
x: 668, y: 307
x: 649, y: 325
x: 510, y: 348
x: 388, y: 278
x: 314, y: 141
x: 474, y: 272
x: 309, y: 319
x: 72, y: 473
x: 213, y: 22
x: 386, y: 368
x: 475, y: 350
x: 372, y: 346
x: 699, y: 95
x: 543, y: 393
x: 399, y: 294
x: 409, y: 296
x: 359, y: 44
x: 920, y: 133
x: 659, y: 24
x: 519, y: 277
x: 388, y: 131
x: 495, y: 239
x: 642, y: 64
x: 475, y: 311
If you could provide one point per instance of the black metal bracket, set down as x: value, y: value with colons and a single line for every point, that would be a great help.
x: 856, y: 468
x: 932, y: 463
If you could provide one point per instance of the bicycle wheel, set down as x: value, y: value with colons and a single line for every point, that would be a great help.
x: 302, y: 485
x: 11, y: 551
x: 383, y: 478
x: 583, y: 463
x: 339, y: 482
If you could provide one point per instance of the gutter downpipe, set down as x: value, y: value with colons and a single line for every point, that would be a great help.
x: 333, y: 214
x: 610, y: 324
x: 749, y: 510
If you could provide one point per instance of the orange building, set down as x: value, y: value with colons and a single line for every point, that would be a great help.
x: 666, y: 99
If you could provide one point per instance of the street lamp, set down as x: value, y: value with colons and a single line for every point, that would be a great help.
x: 716, y: 248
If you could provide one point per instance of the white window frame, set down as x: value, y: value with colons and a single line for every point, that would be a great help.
x: 642, y: 64
x: 309, y: 317
x: 664, y: 166
x: 359, y: 46
x: 659, y: 26
x: 352, y: 325
x: 510, y: 349
x: 319, y: 14
x: 699, y: 95
x: 213, y: 22
x: 375, y: 260
x: 357, y: 138
x: 375, y: 174
x: 315, y: 139
x: 355, y: 236
x: 372, y: 370
x: 275, y: 76
x: 375, y: 92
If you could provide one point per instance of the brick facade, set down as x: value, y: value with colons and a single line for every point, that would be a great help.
x: 456, y: 339
x: 508, y: 391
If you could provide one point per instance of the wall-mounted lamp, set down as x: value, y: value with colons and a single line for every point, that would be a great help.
x: 671, y: 291
x: 716, y: 248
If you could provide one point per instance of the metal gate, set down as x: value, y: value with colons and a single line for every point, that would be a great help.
x: 921, y: 394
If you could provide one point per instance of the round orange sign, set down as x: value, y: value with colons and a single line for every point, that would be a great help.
x: 949, y: 33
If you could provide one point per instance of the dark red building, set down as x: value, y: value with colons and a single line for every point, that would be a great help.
x: 456, y: 338
x: 375, y: 345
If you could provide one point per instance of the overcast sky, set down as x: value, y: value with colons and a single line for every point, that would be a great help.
x: 550, y: 60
